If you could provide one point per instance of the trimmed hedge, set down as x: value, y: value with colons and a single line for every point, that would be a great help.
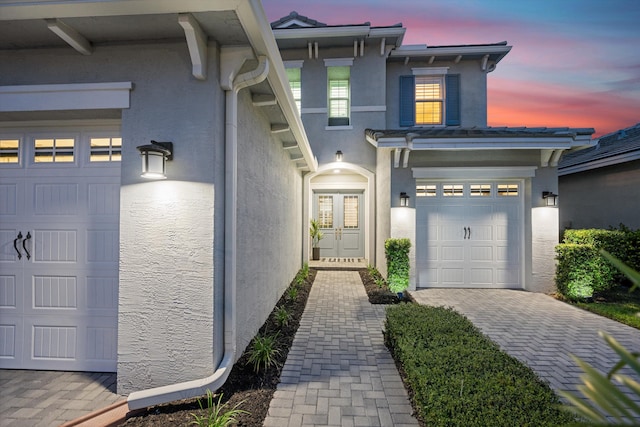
x: 582, y: 271
x: 397, y: 253
x: 458, y: 377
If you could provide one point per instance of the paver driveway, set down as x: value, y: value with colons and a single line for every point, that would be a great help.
x: 538, y: 330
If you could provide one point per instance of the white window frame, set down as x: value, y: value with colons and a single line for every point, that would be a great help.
x: 338, y: 62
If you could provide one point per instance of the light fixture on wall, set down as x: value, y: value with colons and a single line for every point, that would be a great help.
x: 404, y: 200
x: 550, y: 198
x: 154, y: 158
x: 338, y: 156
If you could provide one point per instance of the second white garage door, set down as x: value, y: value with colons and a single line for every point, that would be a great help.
x: 469, y: 234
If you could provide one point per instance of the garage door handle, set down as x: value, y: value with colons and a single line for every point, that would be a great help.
x: 15, y: 244
x: 24, y: 244
x: 465, y: 233
x: 469, y: 237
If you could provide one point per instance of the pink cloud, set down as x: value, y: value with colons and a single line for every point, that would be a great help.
x: 512, y: 103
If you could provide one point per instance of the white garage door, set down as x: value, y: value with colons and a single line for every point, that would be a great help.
x: 469, y: 234
x: 59, y: 210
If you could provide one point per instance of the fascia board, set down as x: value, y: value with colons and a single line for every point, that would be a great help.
x: 81, y: 8
x: 474, y: 144
x: 319, y: 32
x: 462, y: 50
x: 389, y: 32
x: 258, y: 31
x: 600, y: 163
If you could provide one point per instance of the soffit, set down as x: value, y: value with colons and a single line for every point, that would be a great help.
x: 222, y: 26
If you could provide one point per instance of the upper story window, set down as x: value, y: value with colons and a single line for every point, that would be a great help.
x: 339, y: 91
x: 430, y: 97
x: 294, y: 75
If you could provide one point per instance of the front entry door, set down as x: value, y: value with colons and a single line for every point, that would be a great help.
x: 341, y: 220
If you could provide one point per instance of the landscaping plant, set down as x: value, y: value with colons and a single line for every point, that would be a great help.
x: 215, y: 416
x: 606, y: 403
x: 282, y: 316
x: 397, y: 254
x: 459, y: 377
x: 264, y: 351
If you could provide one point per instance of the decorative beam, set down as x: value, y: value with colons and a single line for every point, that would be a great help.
x: 197, y: 44
x: 431, y: 59
x: 362, y: 47
x: 296, y: 157
x: 406, y: 60
x: 382, y: 45
x: 279, y: 128
x: 289, y: 145
x: 355, y: 48
x: 485, y: 59
x: 71, y: 36
x: 396, y: 157
x: 310, y: 50
x: 405, y: 158
x: 263, y: 100
x: 458, y: 58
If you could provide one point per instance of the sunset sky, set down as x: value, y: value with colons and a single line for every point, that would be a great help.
x: 573, y: 63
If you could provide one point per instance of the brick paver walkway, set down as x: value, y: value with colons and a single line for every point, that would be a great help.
x: 338, y: 372
x: 47, y: 398
x: 538, y: 330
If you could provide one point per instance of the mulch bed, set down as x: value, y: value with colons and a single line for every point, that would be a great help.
x: 253, y: 392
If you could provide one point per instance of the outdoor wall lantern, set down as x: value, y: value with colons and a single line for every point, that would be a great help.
x: 550, y: 198
x: 154, y: 158
x: 404, y: 200
x: 338, y: 156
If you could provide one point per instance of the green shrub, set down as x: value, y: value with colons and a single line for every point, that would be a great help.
x: 292, y: 293
x: 581, y: 271
x: 282, y: 316
x: 215, y: 414
x: 397, y: 254
x: 263, y: 351
x: 457, y: 376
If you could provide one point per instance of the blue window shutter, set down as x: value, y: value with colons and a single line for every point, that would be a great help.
x: 407, y: 100
x: 452, y: 86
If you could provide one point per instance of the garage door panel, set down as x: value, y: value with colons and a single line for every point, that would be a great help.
x: 481, y: 276
x: 452, y: 276
x: 102, y: 246
x: 8, y: 291
x: 508, y: 277
x: 55, y: 245
x: 8, y: 252
x: 55, y: 199
x: 8, y: 199
x: 103, y: 199
x: 482, y: 253
x: 480, y: 232
x: 8, y: 340
x: 102, y: 293
x: 452, y: 253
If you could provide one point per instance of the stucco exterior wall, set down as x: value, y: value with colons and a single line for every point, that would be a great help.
x: 473, y: 90
x: 383, y: 205
x: 169, y: 229
x: 601, y: 198
x: 269, y: 238
x: 544, y: 226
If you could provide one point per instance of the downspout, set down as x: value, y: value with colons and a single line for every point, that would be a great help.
x: 199, y: 387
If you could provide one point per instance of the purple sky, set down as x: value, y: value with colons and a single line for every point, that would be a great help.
x: 574, y: 63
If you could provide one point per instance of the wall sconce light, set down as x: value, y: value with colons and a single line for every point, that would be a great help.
x: 154, y: 157
x: 550, y: 198
x: 338, y: 156
x: 404, y: 200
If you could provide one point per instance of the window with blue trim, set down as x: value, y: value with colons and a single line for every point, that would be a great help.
x: 430, y: 100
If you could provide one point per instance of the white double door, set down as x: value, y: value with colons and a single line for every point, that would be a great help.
x: 466, y: 241
x: 340, y: 215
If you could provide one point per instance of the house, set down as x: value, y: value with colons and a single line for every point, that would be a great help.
x: 166, y: 281
x: 594, y: 180
x: 411, y: 120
